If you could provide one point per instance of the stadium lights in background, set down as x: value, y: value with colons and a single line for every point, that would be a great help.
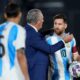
x: 50, y: 5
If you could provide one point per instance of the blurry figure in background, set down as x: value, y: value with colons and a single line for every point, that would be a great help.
x: 2, y: 5
x: 12, y: 44
x: 61, y: 59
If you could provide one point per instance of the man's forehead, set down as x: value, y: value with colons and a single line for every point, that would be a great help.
x: 59, y: 20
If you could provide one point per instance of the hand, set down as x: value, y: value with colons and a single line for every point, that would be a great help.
x: 68, y: 38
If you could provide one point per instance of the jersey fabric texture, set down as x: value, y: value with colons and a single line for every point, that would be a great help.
x: 61, y: 59
x: 12, y: 38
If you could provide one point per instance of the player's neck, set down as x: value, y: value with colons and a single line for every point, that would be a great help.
x: 12, y: 20
x: 60, y: 35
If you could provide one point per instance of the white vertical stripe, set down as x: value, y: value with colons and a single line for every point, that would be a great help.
x: 68, y: 51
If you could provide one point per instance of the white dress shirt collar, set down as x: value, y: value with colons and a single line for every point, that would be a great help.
x: 33, y: 27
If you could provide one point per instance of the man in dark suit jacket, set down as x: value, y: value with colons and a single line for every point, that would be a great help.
x: 37, y: 50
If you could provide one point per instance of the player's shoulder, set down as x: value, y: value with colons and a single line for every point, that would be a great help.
x: 3, y: 24
x: 49, y: 37
x: 19, y: 27
x: 73, y: 40
x: 52, y: 39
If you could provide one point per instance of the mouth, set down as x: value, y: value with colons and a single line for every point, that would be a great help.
x: 56, y: 29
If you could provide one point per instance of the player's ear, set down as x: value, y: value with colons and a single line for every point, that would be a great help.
x: 38, y: 23
x: 5, y: 16
x: 20, y: 14
x: 65, y: 25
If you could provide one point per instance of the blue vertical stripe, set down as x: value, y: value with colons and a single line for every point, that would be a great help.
x: 2, y: 27
x: 55, y: 75
x: 72, y: 44
x: 56, y: 72
x: 71, y: 54
x: 11, y: 48
x: 65, y: 64
x: 70, y: 58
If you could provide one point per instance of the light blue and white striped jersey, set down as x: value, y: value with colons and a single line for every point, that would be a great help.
x: 12, y: 38
x: 61, y: 58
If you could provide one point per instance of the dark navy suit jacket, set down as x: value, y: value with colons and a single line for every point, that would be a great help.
x: 37, y: 51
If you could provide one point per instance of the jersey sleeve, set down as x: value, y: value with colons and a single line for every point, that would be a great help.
x: 20, y: 40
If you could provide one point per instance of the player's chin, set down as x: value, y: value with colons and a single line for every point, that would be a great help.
x: 58, y: 32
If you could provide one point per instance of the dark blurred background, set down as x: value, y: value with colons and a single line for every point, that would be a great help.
x: 71, y: 8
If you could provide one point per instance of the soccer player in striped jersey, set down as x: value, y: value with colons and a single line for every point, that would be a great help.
x: 13, y: 65
x: 62, y: 58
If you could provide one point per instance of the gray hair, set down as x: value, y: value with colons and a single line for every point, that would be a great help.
x: 33, y: 15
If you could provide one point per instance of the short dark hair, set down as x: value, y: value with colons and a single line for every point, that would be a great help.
x: 60, y: 16
x: 12, y: 10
